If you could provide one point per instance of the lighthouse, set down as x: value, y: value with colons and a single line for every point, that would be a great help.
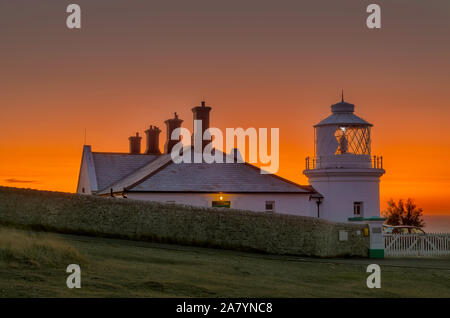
x: 343, y: 169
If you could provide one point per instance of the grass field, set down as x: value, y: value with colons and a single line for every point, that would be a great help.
x: 34, y: 264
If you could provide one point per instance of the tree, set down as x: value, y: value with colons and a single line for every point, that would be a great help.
x: 402, y: 213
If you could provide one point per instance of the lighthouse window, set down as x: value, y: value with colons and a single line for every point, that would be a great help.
x: 270, y: 206
x: 357, y: 208
x: 352, y: 140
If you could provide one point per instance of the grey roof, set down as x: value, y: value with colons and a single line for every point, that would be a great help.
x: 343, y: 119
x: 343, y: 115
x: 216, y: 177
x: 158, y: 173
x: 138, y: 174
x: 112, y: 167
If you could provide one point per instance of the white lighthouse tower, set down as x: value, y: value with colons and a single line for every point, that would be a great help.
x: 343, y: 169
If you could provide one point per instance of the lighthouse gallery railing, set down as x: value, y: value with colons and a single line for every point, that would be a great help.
x: 312, y: 163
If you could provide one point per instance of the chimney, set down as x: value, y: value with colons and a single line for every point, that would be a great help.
x: 171, y: 124
x: 135, y: 144
x: 201, y: 113
x: 153, y: 141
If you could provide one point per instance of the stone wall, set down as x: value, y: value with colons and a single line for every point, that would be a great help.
x: 220, y: 228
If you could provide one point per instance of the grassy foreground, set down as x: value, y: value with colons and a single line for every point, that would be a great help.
x: 33, y: 265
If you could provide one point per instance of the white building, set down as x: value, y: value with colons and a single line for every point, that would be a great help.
x: 343, y: 170
x: 344, y: 179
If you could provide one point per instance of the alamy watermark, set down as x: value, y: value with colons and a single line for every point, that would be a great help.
x: 73, y: 21
x: 374, y: 279
x: 258, y: 146
x: 74, y: 279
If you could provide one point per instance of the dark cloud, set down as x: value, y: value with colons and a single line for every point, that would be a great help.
x: 13, y: 180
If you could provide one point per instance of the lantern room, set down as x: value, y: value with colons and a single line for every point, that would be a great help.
x: 342, y: 140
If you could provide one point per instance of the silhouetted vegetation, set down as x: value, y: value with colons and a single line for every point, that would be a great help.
x: 404, y: 213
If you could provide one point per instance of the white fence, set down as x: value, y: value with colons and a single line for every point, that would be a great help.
x: 435, y: 244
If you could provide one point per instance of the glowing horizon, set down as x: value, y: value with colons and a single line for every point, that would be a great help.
x: 257, y: 63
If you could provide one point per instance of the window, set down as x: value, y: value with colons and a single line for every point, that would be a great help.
x: 358, y: 208
x: 270, y: 206
x: 353, y: 139
x: 221, y: 204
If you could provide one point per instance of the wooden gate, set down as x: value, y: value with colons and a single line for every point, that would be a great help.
x: 436, y: 244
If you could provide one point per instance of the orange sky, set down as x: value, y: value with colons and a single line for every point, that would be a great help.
x: 258, y: 63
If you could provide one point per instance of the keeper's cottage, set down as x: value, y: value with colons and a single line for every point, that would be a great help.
x: 343, y: 175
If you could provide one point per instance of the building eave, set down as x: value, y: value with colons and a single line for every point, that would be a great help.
x: 216, y: 192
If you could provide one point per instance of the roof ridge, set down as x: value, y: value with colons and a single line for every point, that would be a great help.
x: 123, y: 153
x: 136, y: 175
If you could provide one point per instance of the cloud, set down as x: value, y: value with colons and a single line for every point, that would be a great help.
x: 13, y: 180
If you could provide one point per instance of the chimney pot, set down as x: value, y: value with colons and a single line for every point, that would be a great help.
x: 171, y: 125
x: 135, y: 144
x: 202, y: 113
x: 153, y: 140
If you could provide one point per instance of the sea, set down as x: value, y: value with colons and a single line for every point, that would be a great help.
x: 438, y: 223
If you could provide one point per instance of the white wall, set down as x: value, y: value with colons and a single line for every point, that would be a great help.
x: 83, y: 181
x: 87, y: 178
x: 340, y: 193
x: 296, y: 204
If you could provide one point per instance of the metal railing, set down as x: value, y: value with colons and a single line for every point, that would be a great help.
x: 377, y: 162
x: 312, y: 163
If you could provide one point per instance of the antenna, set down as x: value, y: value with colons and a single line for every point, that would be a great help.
x: 84, y: 136
x: 342, y: 94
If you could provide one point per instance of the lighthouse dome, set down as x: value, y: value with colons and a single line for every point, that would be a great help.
x: 342, y: 108
x: 343, y: 114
